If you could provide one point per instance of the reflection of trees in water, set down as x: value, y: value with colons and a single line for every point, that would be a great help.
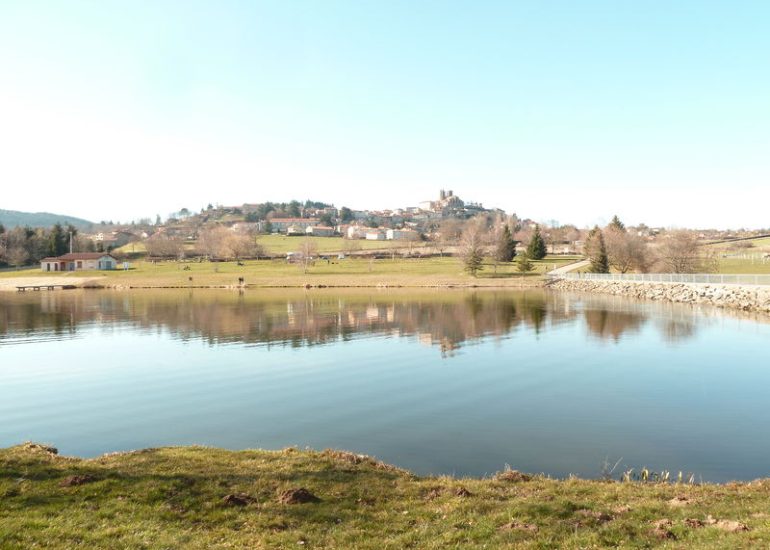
x: 676, y: 330
x: 612, y: 325
x: 444, y: 319
x: 612, y: 317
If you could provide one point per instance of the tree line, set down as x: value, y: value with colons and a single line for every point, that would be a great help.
x: 617, y: 248
x: 22, y: 246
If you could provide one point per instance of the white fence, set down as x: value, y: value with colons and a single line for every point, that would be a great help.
x: 703, y: 278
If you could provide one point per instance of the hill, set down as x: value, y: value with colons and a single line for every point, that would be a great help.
x: 14, y: 218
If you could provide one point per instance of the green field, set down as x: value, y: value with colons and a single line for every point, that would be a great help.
x: 755, y: 266
x: 281, y: 244
x: 196, y: 498
x: 350, y: 272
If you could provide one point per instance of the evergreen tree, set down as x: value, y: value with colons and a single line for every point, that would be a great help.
x: 536, y: 249
x: 616, y: 224
x: 57, y: 241
x: 506, y: 246
x: 2, y: 229
x: 596, y: 251
x: 472, y: 250
x: 346, y: 214
x: 294, y: 209
x: 523, y: 264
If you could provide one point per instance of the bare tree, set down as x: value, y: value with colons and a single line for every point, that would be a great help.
x: 212, y: 242
x: 473, y: 248
x: 307, y: 251
x: 163, y: 246
x: 626, y: 251
x: 17, y: 256
x: 450, y: 233
x: 679, y: 252
x: 242, y: 245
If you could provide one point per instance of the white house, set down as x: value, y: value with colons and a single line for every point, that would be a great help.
x: 375, y: 236
x: 282, y: 225
x: 79, y: 261
x: 320, y: 231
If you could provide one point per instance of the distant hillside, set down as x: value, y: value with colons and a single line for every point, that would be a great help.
x: 13, y: 218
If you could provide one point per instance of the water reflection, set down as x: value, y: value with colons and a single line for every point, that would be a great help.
x: 447, y: 320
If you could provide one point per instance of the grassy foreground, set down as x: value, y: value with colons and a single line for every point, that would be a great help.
x: 193, y: 497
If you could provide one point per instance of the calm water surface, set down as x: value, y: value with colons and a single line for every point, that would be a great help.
x: 443, y: 382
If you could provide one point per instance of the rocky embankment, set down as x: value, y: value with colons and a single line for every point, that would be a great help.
x: 745, y: 298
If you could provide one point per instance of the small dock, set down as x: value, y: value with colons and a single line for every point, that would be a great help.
x: 24, y: 288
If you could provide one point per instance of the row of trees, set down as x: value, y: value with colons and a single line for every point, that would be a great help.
x: 214, y: 243
x: 21, y: 246
x: 615, y: 247
x: 484, y: 237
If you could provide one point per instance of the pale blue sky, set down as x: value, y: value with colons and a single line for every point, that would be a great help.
x: 569, y: 110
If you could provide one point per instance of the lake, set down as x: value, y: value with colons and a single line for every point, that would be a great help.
x: 438, y: 382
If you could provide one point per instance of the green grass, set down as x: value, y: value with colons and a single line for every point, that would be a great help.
x: 349, y: 272
x: 744, y: 266
x: 174, y: 498
x: 281, y: 244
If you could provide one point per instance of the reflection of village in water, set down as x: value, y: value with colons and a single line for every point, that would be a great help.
x: 447, y: 320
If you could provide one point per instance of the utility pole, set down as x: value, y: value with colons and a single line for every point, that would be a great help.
x: 70, y: 242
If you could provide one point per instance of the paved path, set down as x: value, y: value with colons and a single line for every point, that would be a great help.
x: 569, y: 267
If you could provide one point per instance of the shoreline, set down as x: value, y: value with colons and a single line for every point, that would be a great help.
x: 9, y: 284
x: 203, y: 497
x: 747, y: 298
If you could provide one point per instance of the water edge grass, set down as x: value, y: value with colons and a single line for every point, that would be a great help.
x: 197, y: 497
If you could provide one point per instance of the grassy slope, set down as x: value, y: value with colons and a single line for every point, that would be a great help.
x: 349, y: 272
x: 173, y: 498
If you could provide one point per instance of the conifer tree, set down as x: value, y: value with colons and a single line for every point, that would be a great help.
x: 536, y: 249
x: 506, y: 246
x: 617, y: 224
x: 57, y: 241
x: 472, y: 250
x: 596, y: 251
x: 523, y: 264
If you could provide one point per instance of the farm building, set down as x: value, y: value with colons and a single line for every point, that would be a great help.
x: 79, y: 261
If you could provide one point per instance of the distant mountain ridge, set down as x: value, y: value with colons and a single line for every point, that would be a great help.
x: 14, y: 218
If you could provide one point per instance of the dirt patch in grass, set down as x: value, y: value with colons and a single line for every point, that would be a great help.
x: 513, y: 476
x: 680, y: 501
x: 662, y: 529
x: 238, y: 499
x: 297, y: 496
x: 74, y: 481
x: 519, y: 526
x: 731, y: 526
x: 37, y: 447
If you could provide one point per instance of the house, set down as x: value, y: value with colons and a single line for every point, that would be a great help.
x: 281, y: 225
x: 114, y: 239
x: 79, y: 261
x: 375, y: 236
x: 355, y: 232
x: 320, y: 231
